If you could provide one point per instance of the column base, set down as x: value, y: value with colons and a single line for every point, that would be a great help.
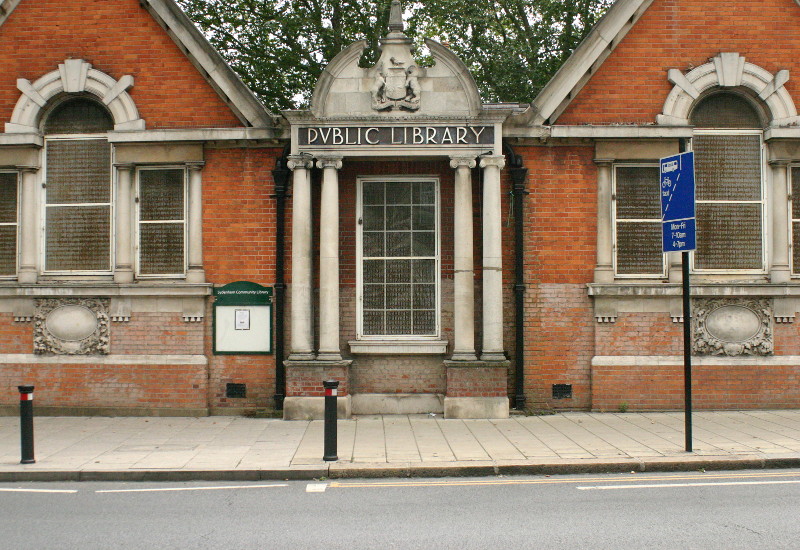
x: 476, y: 407
x: 27, y: 275
x: 604, y: 274
x: 334, y: 356
x: 297, y: 357
x: 780, y: 274
x: 494, y: 357
x: 196, y: 275
x: 123, y: 276
x: 464, y: 356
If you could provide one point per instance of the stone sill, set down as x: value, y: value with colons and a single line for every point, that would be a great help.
x: 697, y: 360
x: 726, y: 288
x: 175, y: 289
x: 398, y: 347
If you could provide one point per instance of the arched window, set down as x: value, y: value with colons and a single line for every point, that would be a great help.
x: 78, y: 192
x: 727, y: 143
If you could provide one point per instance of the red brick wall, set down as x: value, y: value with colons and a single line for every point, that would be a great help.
x: 476, y: 382
x: 731, y: 386
x: 631, y: 85
x: 560, y: 227
x: 165, y: 386
x: 640, y: 334
x: 307, y: 381
x: 156, y: 333
x: 15, y: 337
x: 398, y: 374
x: 239, y: 217
x: 119, y: 38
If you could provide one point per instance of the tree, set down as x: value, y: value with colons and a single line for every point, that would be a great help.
x: 280, y: 47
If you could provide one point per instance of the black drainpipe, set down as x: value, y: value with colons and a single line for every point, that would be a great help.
x: 280, y: 175
x: 518, y: 178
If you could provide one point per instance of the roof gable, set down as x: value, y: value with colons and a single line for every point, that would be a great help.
x: 210, y: 64
x: 584, y: 61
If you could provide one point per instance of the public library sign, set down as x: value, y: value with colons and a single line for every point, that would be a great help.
x: 348, y: 136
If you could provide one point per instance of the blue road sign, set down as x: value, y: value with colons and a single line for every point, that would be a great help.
x: 677, y: 203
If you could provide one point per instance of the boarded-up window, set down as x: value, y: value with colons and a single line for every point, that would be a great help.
x: 729, y: 188
x: 8, y: 223
x: 637, y: 221
x: 78, y: 188
x: 399, y: 269
x: 162, y: 227
x: 78, y: 205
x: 796, y: 220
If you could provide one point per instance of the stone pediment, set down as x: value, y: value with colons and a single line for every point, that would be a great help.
x: 396, y: 87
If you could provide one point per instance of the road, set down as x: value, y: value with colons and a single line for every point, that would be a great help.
x: 708, y: 510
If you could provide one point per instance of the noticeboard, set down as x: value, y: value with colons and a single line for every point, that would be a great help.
x: 243, y: 319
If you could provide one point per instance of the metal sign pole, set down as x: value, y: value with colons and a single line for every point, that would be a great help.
x: 679, y: 235
x: 687, y: 339
x: 687, y: 351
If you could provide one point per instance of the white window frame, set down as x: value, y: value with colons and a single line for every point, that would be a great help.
x: 360, y: 256
x: 111, y: 204
x: 139, y: 222
x: 16, y: 224
x: 614, y: 220
x: 765, y: 225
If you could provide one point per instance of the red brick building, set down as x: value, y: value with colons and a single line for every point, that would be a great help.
x: 430, y: 252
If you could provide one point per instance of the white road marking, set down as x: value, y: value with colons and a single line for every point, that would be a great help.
x: 316, y: 487
x: 663, y: 485
x: 9, y: 490
x: 157, y: 489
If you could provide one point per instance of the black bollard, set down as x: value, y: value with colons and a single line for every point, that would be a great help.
x: 26, y: 423
x: 331, y: 392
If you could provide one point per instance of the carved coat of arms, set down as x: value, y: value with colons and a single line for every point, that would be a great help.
x: 396, y: 86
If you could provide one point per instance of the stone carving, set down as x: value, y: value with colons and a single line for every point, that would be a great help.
x: 71, y: 326
x: 396, y: 86
x: 730, y: 326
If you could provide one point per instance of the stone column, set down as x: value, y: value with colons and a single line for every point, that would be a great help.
x: 196, y: 272
x: 492, y: 260
x: 28, y: 264
x: 780, y: 270
x: 604, y: 270
x: 463, y: 262
x: 123, y: 254
x: 329, y: 261
x: 302, y: 343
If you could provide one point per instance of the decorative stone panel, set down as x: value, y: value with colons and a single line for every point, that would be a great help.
x: 731, y: 326
x: 71, y: 326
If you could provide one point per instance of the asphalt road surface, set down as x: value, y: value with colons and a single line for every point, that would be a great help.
x: 707, y: 510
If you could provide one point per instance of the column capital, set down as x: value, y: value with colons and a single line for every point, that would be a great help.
x: 604, y: 162
x: 779, y: 162
x: 334, y: 162
x: 195, y: 165
x: 300, y: 161
x: 463, y: 162
x: 28, y: 169
x: 498, y: 161
x: 128, y: 166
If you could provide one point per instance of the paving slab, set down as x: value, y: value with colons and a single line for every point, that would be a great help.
x: 238, y: 448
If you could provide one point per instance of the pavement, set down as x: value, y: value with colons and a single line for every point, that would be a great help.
x: 239, y: 448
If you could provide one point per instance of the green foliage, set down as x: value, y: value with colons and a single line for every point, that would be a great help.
x: 280, y: 47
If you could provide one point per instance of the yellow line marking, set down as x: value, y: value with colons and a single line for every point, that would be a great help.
x: 555, y: 481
